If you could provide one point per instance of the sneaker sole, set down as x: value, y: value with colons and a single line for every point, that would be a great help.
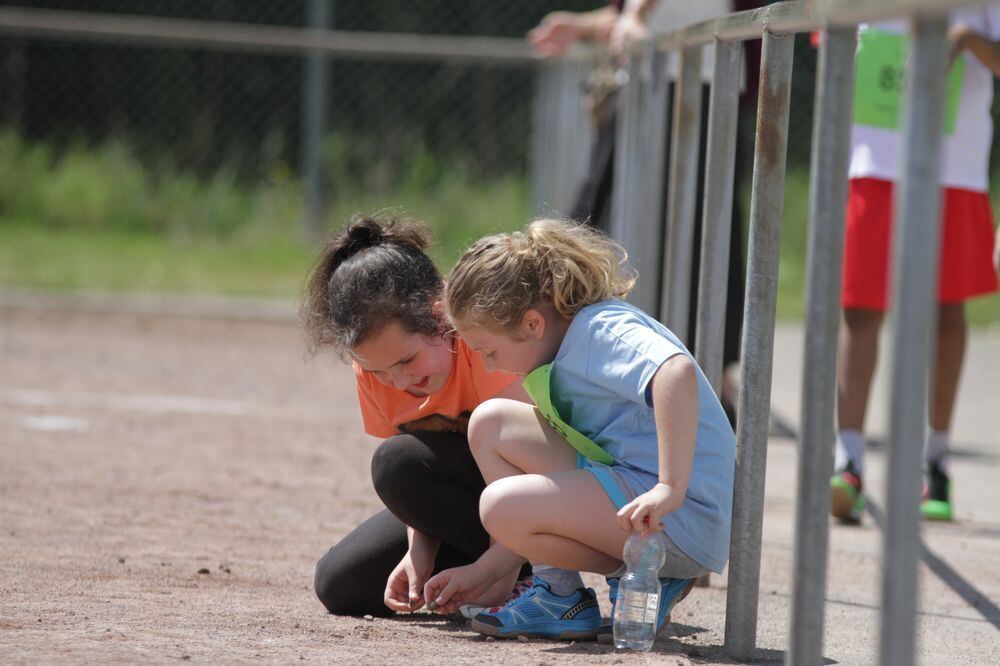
x: 470, y: 611
x: 552, y: 630
x: 843, y: 502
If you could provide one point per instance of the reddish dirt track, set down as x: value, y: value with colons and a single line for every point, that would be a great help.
x: 139, y: 450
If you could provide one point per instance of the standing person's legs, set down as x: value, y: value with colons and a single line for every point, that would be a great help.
x: 951, y: 338
x: 855, y: 369
x: 952, y: 334
x: 856, y: 362
x: 966, y: 271
x: 593, y: 202
x: 864, y: 299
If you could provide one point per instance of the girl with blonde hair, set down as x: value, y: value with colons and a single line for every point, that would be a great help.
x: 627, y: 435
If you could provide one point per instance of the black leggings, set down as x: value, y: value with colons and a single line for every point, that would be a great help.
x: 427, y: 480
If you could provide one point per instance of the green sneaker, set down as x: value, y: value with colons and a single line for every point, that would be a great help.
x: 936, y: 504
x: 847, y: 499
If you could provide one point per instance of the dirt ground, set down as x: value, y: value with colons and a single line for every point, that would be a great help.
x: 167, y: 484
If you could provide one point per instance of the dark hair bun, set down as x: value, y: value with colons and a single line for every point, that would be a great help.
x: 373, y: 272
x: 363, y: 234
x: 359, y: 235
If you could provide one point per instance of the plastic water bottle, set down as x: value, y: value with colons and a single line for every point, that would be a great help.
x: 639, y: 592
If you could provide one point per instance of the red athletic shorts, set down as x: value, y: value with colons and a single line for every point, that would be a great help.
x: 966, y: 267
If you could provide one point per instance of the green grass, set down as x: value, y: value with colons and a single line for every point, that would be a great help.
x: 33, y: 257
x: 98, y: 219
x: 268, y: 263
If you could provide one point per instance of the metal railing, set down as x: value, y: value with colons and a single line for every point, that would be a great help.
x: 638, y: 227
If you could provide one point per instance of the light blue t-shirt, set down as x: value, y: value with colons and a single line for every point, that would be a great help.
x: 600, y: 385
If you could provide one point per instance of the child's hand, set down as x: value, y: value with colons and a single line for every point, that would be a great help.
x: 451, y: 588
x: 958, y: 36
x: 404, y: 588
x: 644, y: 512
x: 555, y: 34
x: 629, y: 28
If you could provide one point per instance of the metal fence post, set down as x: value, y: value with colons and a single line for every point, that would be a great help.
x: 915, y: 269
x: 626, y: 197
x: 644, y: 235
x: 717, y: 209
x: 654, y: 133
x: 315, y: 105
x: 681, y: 194
x: 767, y: 199
x: 624, y: 107
x: 541, y: 164
x: 571, y: 129
x: 827, y: 203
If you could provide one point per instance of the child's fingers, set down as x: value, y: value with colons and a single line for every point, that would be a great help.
x: 432, y: 587
x: 416, y: 594
x: 397, y: 605
x: 444, y: 595
x: 448, y: 608
x: 394, y: 595
x: 395, y: 600
x: 640, y: 519
x: 624, y: 516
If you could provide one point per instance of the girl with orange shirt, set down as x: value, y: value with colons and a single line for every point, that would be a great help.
x: 375, y: 298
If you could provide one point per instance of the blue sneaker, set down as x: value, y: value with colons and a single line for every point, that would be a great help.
x: 672, y: 592
x: 539, y: 613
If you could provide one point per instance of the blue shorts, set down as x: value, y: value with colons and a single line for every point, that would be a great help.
x: 622, y: 486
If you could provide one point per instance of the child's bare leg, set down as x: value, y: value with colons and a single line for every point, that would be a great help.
x: 951, y: 338
x: 508, y: 437
x: 563, y: 518
x: 855, y: 369
x: 856, y: 365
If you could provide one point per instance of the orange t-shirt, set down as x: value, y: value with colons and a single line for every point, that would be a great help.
x: 388, y: 411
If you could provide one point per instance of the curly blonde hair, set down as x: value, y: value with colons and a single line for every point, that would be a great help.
x: 566, y: 264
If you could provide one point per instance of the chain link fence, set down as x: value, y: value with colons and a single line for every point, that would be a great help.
x: 390, y: 120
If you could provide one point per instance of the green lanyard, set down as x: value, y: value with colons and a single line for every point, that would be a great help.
x: 878, y: 84
x: 537, y: 384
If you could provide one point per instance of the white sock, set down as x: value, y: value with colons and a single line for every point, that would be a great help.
x: 562, y: 582
x: 850, y: 447
x: 936, y: 448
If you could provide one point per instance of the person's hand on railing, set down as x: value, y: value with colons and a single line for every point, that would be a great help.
x: 963, y: 38
x: 958, y: 37
x: 631, y: 26
x: 558, y: 31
